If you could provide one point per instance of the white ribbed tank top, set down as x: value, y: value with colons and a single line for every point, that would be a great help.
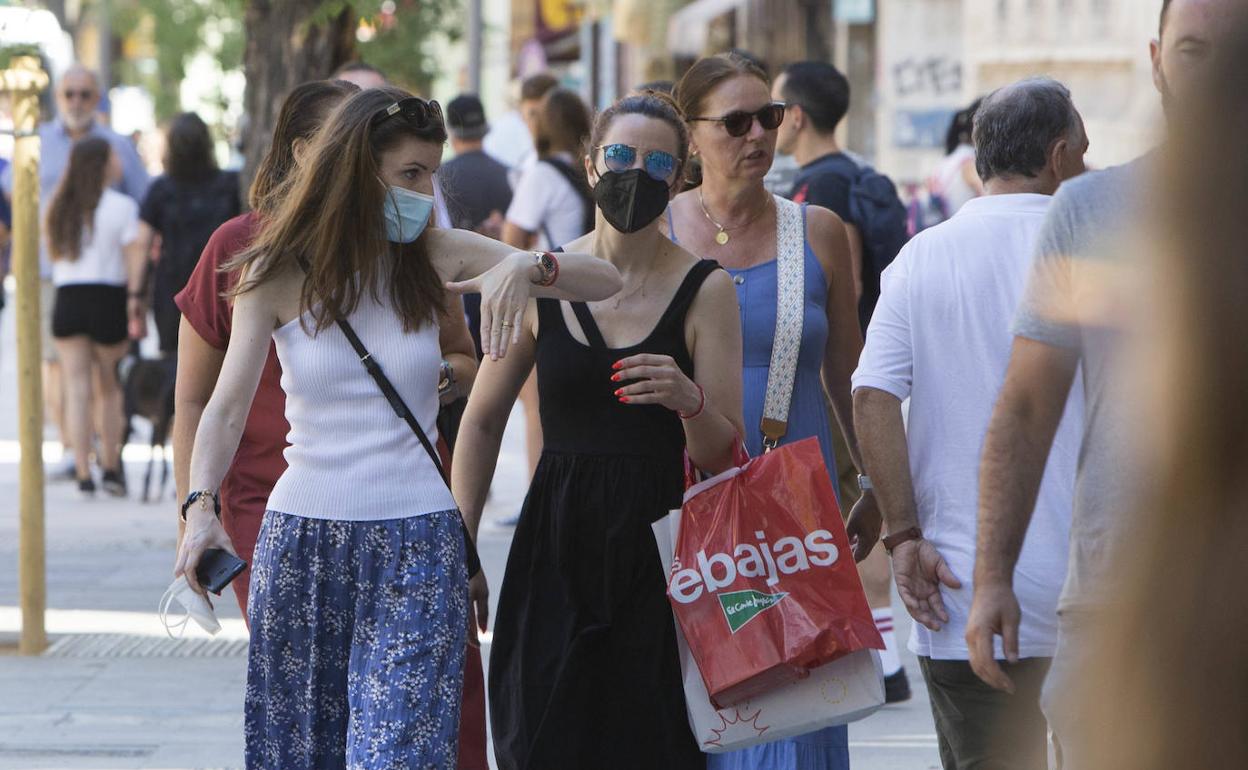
x: 351, y: 457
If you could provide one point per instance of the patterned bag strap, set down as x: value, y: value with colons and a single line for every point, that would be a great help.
x: 790, y: 306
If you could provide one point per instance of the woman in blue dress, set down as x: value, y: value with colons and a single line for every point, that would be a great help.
x: 733, y: 219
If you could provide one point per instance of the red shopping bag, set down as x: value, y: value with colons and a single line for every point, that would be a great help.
x: 763, y: 583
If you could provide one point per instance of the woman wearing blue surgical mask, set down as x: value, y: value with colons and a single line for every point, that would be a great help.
x: 584, y: 670
x: 360, y: 591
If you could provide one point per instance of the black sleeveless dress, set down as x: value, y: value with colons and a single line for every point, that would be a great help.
x: 584, y: 671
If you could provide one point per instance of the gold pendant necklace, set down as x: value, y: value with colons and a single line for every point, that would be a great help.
x: 722, y: 236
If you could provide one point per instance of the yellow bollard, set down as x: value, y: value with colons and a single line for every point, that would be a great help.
x: 23, y: 80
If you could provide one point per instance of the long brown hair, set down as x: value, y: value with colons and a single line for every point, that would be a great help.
x: 189, y: 157
x: 72, y: 210
x: 329, y: 214
x: 562, y: 123
x: 1169, y: 679
x: 302, y: 114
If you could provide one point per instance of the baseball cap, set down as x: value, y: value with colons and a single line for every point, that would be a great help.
x: 465, y: 117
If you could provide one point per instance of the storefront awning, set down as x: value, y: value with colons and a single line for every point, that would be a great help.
x: 687, y: 30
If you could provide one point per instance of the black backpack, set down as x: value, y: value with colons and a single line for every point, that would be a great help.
x: 582, y: 189
x: 881, y: 218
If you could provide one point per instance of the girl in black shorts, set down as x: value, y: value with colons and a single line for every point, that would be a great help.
x: 96, y: 257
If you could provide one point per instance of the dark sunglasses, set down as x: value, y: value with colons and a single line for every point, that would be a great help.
x: 738, y: 122
x: 659, y: 165
x: 84, y: 95
x: 417, y: 112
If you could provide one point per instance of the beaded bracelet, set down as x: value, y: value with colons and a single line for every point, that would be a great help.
x: 701, y: 405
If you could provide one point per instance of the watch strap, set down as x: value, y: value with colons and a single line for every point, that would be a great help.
x: 904, y: 536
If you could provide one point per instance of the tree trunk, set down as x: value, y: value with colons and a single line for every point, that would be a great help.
x: 284, y: 49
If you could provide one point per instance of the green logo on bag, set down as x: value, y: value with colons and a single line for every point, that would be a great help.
x: 740, y: 607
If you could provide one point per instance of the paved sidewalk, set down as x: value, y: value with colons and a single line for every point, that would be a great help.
x: 113, y: 692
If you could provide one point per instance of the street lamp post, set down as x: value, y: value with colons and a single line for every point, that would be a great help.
x: 24, y: 79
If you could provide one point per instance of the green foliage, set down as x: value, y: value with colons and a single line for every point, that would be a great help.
x: 180, y: 29
x: 9, y: 52
x: 401, y: 45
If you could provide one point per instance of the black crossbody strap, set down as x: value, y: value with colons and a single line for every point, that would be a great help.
x: 392, y: 395
x: 400, y: 408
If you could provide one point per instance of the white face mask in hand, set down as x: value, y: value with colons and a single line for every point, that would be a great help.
x: 197, y: 608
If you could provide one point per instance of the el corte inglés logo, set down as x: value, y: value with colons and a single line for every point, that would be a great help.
x: 740, y: 607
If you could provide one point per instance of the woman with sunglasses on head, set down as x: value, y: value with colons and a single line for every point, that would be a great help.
x: 359, y: 592
x: 731, y: 218
x: 584, y: 670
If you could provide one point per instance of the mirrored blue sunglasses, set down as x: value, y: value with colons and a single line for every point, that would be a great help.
x: 659, y: 165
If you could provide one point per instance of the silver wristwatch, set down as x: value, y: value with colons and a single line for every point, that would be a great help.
x: 446, y: 378
x: 864, y: 482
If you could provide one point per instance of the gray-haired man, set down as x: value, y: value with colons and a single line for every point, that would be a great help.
x: 940, y: 336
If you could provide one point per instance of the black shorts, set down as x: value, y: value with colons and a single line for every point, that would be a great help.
x: 95, y: 310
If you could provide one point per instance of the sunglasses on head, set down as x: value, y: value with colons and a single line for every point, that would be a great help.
x: 417, y: 112
x: 659, y: 165
x: 738, y: 122
x: 84, y: 95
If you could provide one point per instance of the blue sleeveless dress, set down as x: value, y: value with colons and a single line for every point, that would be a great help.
x: 826, y: 749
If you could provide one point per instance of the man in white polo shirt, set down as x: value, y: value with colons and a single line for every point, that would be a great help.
x: 940, y: 336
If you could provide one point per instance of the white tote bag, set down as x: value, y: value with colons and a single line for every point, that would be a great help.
x: 843, y: 691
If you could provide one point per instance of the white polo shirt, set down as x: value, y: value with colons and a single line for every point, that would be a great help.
x: 941, y: 336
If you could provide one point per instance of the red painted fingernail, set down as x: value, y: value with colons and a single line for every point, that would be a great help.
x: 617, y: 365
x: 623, y: 399
x: 618, y: 392
x: 615, y: 378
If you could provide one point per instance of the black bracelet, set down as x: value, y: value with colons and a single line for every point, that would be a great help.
x: 194, y: 496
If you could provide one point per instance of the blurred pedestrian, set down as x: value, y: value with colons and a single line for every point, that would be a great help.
x: 361, y: 75
x: 817, y: 97
x: 361, y: 525
x: 184, y: 206
x: 1167, y: 675
x: 551, y: 206
x: 956, y: 181
x: 78, y: 96
x: 510, y: 139
x: 940, y: 336
x: 1057, y: 331
x: 97, y: 263
x: 478, y: 193
x: 733, y: 219
x: 584, y: 669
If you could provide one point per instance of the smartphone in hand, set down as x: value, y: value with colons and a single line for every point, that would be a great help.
x: 217, y: 568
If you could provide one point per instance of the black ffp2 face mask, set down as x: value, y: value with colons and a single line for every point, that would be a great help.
x: 630, y: 200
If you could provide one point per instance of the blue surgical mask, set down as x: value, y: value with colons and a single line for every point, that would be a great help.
x: 407, y: 214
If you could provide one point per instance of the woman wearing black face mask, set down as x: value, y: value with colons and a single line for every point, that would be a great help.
x: 584, y: 669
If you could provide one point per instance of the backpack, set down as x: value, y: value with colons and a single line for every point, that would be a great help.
x: 582, y: 189
x: 880, y: 217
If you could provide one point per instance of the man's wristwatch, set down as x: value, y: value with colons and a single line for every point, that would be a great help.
x: 446, y: 378
x: 199, y: 496
x: 904, y: 536
x: 864, y: 482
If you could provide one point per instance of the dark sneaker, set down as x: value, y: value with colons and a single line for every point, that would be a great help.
x: 897, y: 687
x: 86, y: 488
x: 114, y: 483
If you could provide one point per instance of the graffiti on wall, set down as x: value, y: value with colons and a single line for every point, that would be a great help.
x: 927, y: 76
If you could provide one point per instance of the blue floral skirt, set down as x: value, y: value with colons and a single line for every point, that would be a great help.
x: 358, y: 631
